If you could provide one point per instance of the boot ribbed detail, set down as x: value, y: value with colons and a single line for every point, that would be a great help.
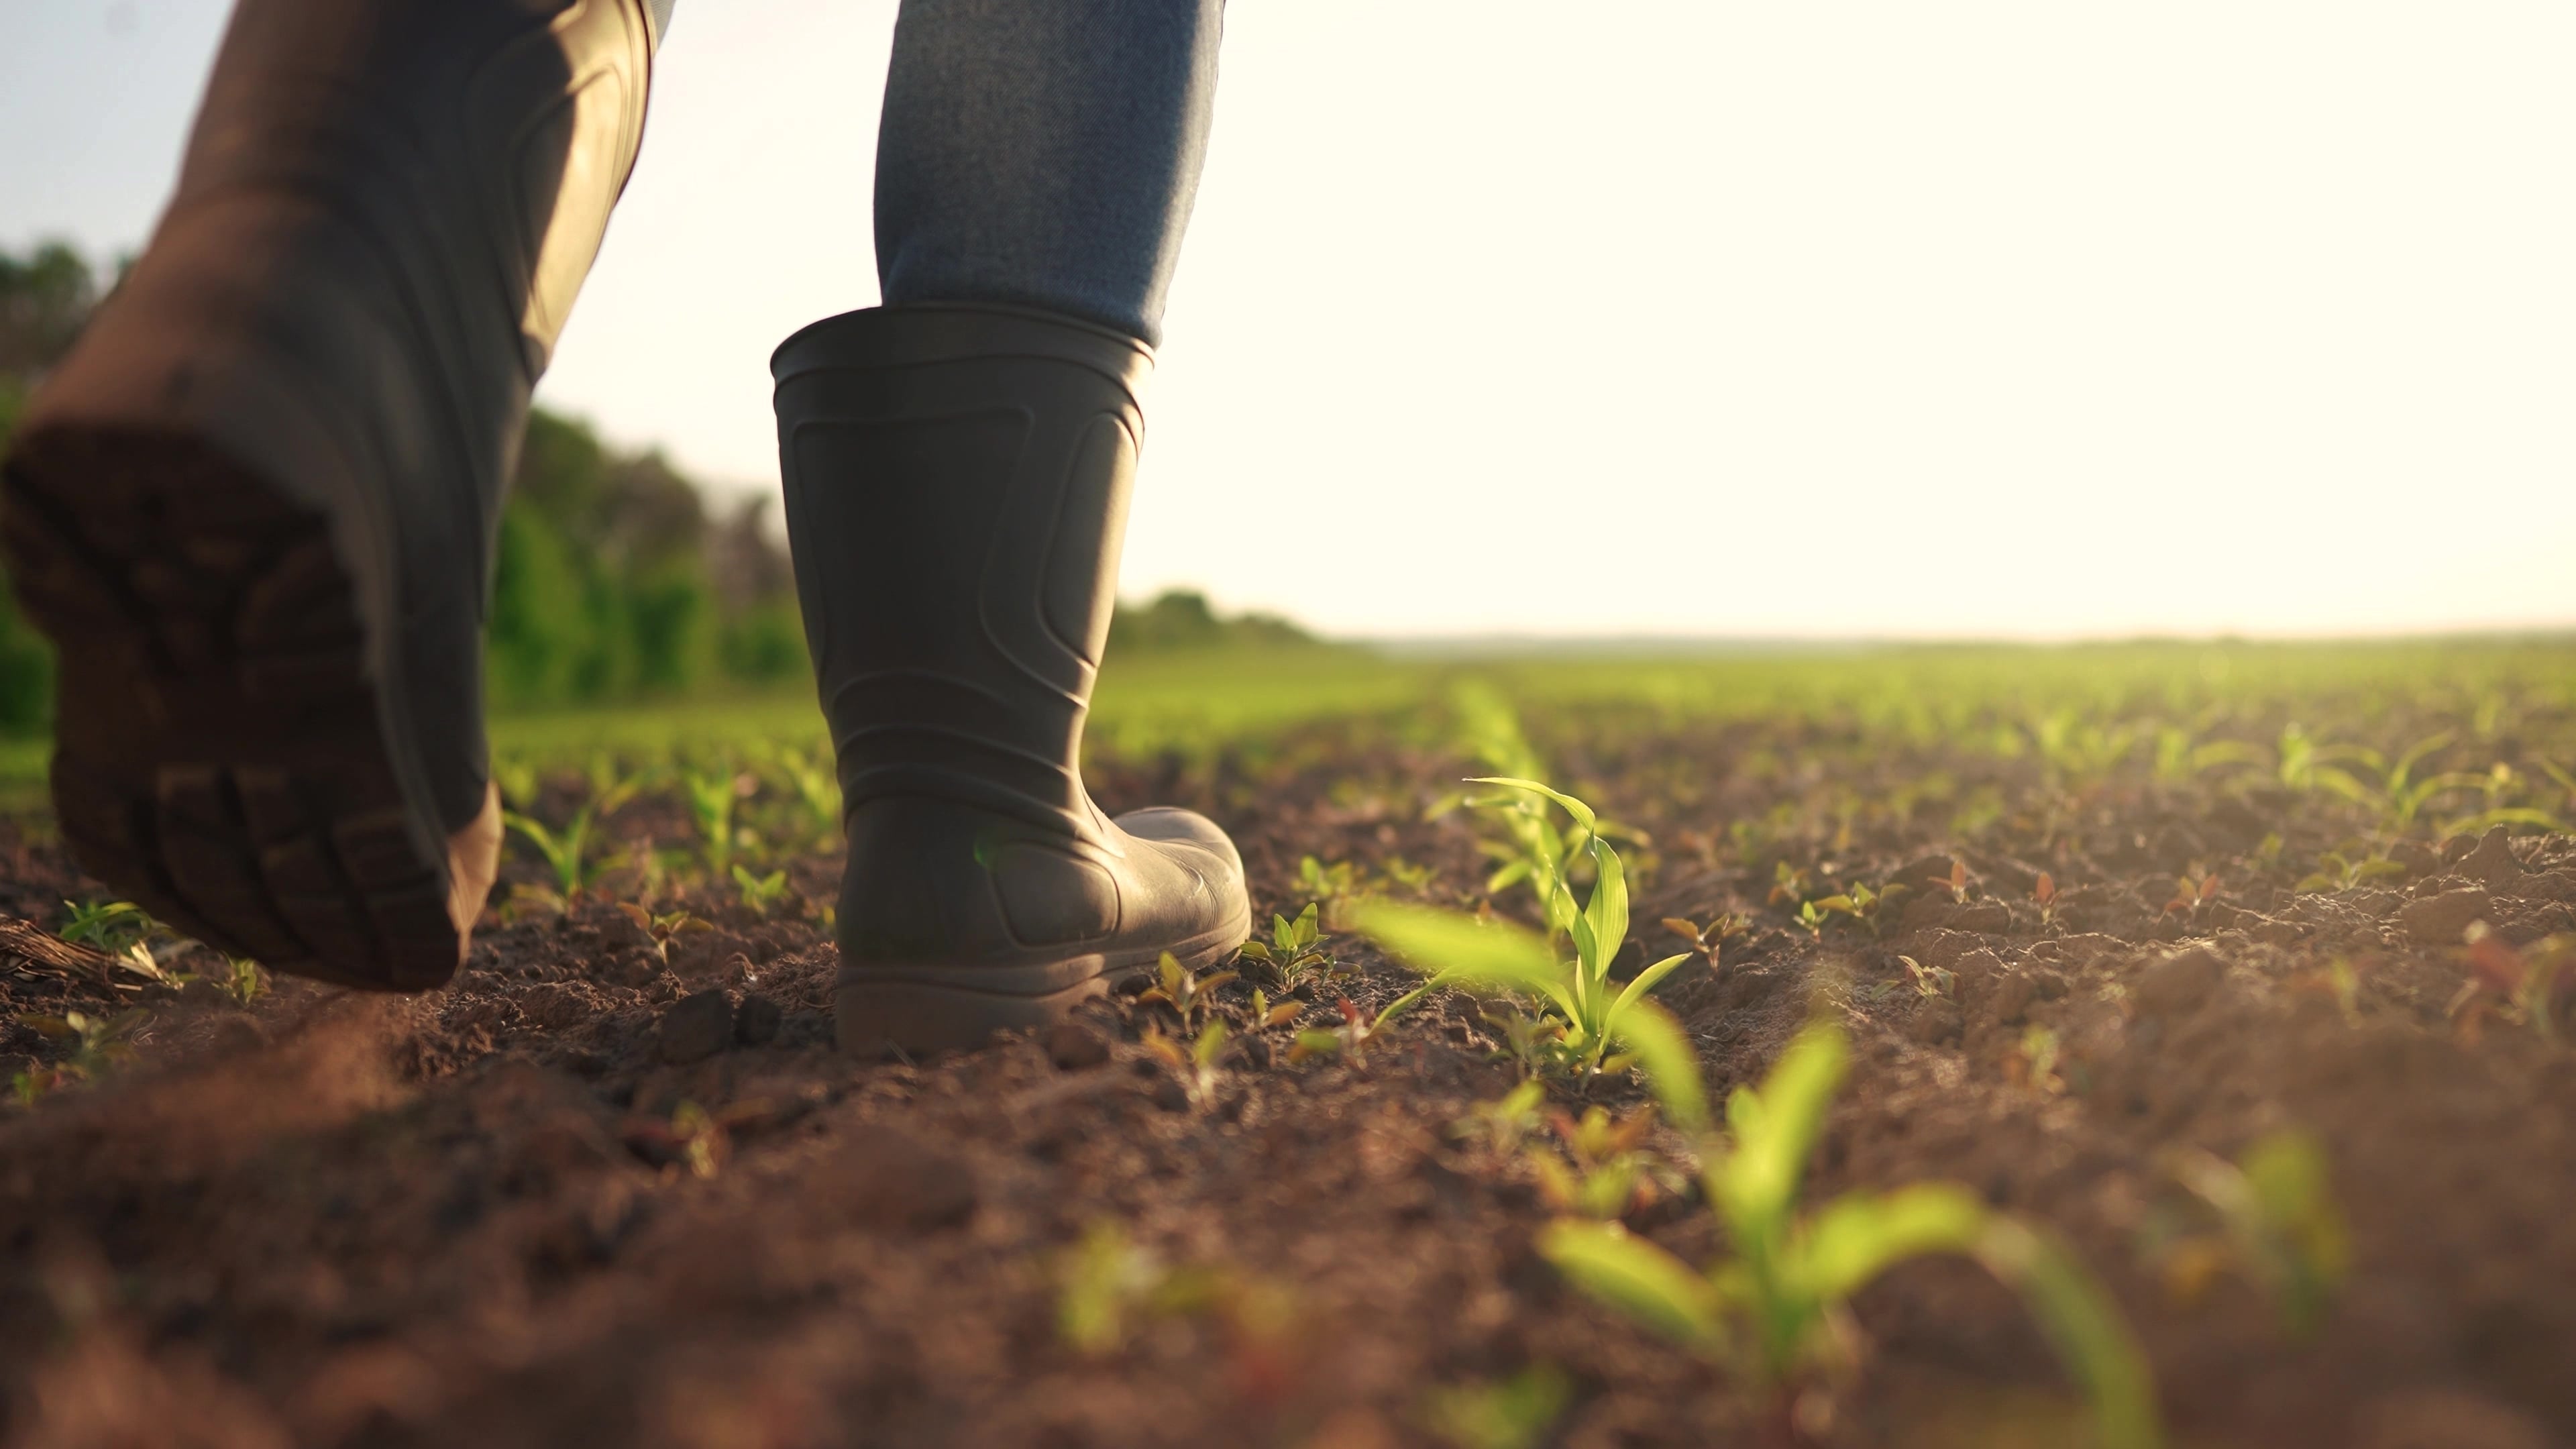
x: 957, y: 480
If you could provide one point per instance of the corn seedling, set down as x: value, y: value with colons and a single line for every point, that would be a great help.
x: 1183, y: 990
x: 1513, y: 1414
x: 1501, y: 1125
x: 1326, y: 882
x: 2036, y: 1063
x: 1106, y: 1285
x: 817, y: 790
x: 1294, y: 953
x: 664, y: 928
x: 1458, y: 950
x: 1193, y: 1063
x: 760, y: 892
x: 1775, y: 1310
x: 2337, y: 872
x: 566, y: 851
x: 711, y: 804
x: 2277, y: 1225
x: 1612, y: 1173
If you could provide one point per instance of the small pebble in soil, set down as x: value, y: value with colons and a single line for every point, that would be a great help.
x: 1074, y: 1047
x: 2178, y: 983
x: 2438, y: 920
x: 695, y: 1028
x: 756, y: 1021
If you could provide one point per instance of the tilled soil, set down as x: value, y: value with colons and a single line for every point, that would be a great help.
x: 588, y: 1196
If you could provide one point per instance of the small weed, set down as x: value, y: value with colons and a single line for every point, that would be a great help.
x: 1194, y: 1063
x: 98, y: 1043
x: 1350, y: 1040
x: 2536, y: 983
x: 1183, y: 990
x: 663, y: 928
x: 1929, y: 980
x: 1265, y: 1013
x: 1708, y: 939
x: 1294, y: 953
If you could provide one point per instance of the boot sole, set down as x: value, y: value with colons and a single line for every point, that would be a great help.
x: 931, y: 1008
x: 221, y: 753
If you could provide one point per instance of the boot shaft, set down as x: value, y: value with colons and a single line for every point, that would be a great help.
x: 957, y: 481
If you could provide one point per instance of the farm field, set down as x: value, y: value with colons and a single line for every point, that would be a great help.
x: 2188, y: 1032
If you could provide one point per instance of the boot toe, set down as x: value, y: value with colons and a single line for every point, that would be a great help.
x: 1169, y: 826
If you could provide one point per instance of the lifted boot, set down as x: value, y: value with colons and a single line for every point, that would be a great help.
x: 957, y: 481
x: 256, y: 506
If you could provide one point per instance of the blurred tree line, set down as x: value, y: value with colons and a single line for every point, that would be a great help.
x: 614, y: 581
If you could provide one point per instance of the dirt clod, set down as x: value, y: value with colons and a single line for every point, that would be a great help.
x: 1936, y: 1022
x: 696, y: 1027
x: 757, y: 1019
x: 2438, y: 920
x: 2492, y: 864
x: 2178, y: 984
x: 1074, y: 1047
x: 886, y: 1178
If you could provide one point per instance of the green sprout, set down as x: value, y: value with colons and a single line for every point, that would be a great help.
x: 2278, y: 1226
x: 564, y: 850
x: 1294, y: 953
x: 1501, y: 1125
x: 1183, y: 990
x: 1597, y: 1015
x: 1513, y: 1414
x: 1612, y: 1172
x: 98, y: 1043
x: 1775, y: 1310
x: 1195, y: 1064
x: 711, y: 802
x: 664, y: 928
x: 760, y: 892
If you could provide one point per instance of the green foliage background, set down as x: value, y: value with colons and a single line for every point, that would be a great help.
x: 615, y: 582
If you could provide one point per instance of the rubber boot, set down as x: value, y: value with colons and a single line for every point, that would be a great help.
x: 957, y: 480
x: 256, y: 506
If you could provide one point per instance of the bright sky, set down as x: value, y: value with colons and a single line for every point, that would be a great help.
x: 1687, y: 317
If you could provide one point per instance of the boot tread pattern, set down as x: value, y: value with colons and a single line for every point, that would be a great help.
x: 218, y: 756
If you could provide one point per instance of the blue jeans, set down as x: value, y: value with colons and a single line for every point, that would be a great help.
x: 1042, y: 152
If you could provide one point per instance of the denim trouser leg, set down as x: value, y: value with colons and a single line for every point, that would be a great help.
x: 1044, y: 152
